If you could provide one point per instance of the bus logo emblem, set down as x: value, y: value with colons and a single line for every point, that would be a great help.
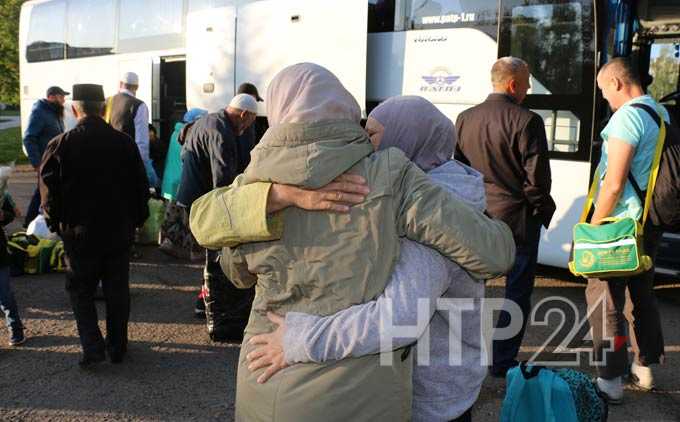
x: 440, y: 80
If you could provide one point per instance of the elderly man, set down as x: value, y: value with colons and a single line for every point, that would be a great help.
x: 506, y: 143
x: 255, y: 131
x: 46, y: 122
x: 629, y: 141
x: 212, y: 158
x: 130, y: 115
x: 96, y: 217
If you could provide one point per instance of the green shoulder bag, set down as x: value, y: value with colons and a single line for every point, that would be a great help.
x: 614, y: 248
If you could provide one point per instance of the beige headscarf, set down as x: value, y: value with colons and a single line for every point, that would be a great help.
x: 308, y: 93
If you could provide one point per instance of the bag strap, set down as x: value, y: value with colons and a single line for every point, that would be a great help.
x: 529, y: 372
x: 590, y: 199
x: 661, y: 138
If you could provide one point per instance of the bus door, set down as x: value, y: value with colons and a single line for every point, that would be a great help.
x: 557, y: 39
x: 273, y: 34
x: 658, y: 54
x: 210, y: 47
x: 169, y: 94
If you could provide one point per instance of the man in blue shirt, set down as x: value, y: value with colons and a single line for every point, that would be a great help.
x: 629, y: 142
x: 46, y: 122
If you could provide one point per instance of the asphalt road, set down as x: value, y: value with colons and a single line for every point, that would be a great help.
x: 174, y: 372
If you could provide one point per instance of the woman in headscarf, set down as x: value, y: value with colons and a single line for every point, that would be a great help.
x: 442, y: 391
x: 321, y: 263
x: 176, y: 239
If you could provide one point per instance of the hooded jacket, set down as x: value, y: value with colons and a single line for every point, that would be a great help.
x: 43, y: 125
x: 210, y: 157
x: 326, y: 262
x: 172, y: 174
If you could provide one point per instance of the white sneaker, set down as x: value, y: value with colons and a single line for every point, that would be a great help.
x: 642, y: 376
x: 612, y: 389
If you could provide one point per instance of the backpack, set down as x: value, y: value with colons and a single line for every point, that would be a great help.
x: 32, y: 255
x: 536, y: 393
x: 664, y: 211
x: 590, y: 405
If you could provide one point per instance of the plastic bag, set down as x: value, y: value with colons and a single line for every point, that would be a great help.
x: 150, y: 231
x: 38, y: 228
x: 5, y: 172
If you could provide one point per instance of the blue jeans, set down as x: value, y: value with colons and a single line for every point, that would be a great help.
x: 9, y: 306
x: 519, y: 285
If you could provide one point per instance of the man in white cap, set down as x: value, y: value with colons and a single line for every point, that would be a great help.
x: 212, y: 158
x: 130, y: 115
x: 255, y: 132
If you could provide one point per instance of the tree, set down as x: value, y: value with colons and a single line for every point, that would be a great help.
x: 664, y: 68
x: 9, y: 51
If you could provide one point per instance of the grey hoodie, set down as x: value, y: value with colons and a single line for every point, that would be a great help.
x: 441, y: 391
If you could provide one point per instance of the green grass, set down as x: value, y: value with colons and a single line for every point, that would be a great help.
x: 10, y: 146
x: 9, y: 113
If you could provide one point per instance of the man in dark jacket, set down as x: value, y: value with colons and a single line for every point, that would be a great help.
x: 211, y: 158
x: 507, y: 144
x: 94, y: 193
x: 46, y: 122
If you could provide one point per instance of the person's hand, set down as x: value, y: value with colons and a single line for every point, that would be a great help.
x: 269, y: 353
x: 338, y: 196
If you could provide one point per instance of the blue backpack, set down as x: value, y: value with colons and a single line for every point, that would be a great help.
x: 536, y: 393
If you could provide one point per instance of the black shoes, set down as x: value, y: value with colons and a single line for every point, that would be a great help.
x: 116, y: 357
x: 88, y: 361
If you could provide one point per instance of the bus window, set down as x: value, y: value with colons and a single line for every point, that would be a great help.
x: 198, y: 5
x: 665, y: 69
x: 46, y: 32
x: 91, y: 29
x: 380, y: 15
x: 562, y: 129
x: 430, y: 14
x: 556, y: 38
x: 150, y: 18
x: 550, y: 38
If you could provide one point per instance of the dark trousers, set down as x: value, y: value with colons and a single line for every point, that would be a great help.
x: 227, y: 307
x: 33, y: 207
x: 83, y: 274
x: 8, y: 306
x: 607, y: 319
x: 519, y: 285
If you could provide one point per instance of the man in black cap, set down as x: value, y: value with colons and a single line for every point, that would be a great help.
x: 46, y: 122
x: 254, y: 133
x: 94, y: 193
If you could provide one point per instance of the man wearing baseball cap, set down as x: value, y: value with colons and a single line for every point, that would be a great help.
x: 130, y: 115
x: 94, y: 194
x: 46, y: 122
x: 212, y: 158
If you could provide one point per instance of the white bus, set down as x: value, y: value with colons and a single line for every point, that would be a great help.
x: 194, y: 53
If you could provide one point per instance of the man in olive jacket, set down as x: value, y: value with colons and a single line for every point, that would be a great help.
x: 94, y: 193
x: 506, y: 143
